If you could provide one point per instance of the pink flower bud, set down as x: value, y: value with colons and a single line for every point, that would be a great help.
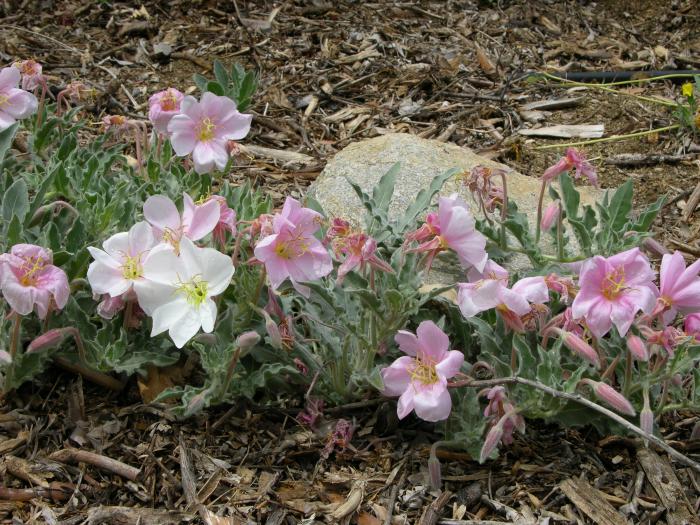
x: 677, y: 379
x: 691, y: 326
x: 646, y: 420
x: 303, y: 369
x: 612, y: 397
x: 637, y: 348
x: 110, y: 306
x: 579, y: 346
x: 273, y: 331
x: 435, y: 472
x: 491, y: 441
x: 550, y: 216
x: 247, y: 340
x: 653, y: 246
x: 49, y: 339
x: 5, y: 358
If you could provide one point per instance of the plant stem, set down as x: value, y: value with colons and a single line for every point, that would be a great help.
x: 488, y: 383
x: 504, y: 212
x: 14, y: 338
x: 540, y: 203
x: 231, y: 367
x: 560, y: 234
x: 610, y: 139
x: 619, y: 82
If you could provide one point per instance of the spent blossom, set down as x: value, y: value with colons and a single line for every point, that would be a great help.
x: 453, y: 227
x: 15, y: 103
x: 178, y: 289
x: 358, y: 249
x: 169, y: 226
x: 203, y: 128
x: 29, y: 280
x: 420, y: 377
x: 162, y: 107
x: 573, y: 160
x: 291, y: 251
x: 613, y: 290
x: 31, y: 74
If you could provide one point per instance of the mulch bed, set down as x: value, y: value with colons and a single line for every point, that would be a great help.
x: 333, y: 73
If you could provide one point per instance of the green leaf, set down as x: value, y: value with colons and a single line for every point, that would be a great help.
x: 6, y: 137
x: 647, y: 217
x: 215, y: 88
x: 620, y: 206
x: 570, y: 195
x: 200, y: 81
x: 38, y: 199
x: 15, y: 202
x: 383, y: 191
x: 221, y: 74
x: 422, y: 201
x: 14, y: 232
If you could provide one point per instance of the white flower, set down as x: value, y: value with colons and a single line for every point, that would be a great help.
x: 120, y: 265
x: 177, y: 290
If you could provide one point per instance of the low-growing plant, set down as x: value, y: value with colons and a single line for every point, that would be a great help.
x: 115, y: 265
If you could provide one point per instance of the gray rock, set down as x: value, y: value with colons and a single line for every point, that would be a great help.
x: 421, y: 160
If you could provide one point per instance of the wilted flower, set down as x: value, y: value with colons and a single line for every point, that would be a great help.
x: 178, y: 290
x: 118, y: 124
x: 680, y: 287
x: 162, y: 107
x: 109, y: 306
x: 359, y: 250
x: 668, y: 338
x: 573, y: 160
x: 15, y: 103
x: 564, y: 286
x: 453, y: 227
x: 195, y: 222
x: 203, y: 129
x: 420, y: 377
x: 29, y: 280
x: 31, y: 74
x: 119, y: 267
x: 292, y: 251
x: 613, y: 290
x: 498, y: 406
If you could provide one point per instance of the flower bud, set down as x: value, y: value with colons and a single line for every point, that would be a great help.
x: 247, y: 340
x: 5, y: 358
x: 49, y: 339
x: 691, y: 325
x: 646, y: 420
x: 273, y: 331
x: 612, y: 397
x: 677, y: 379
x: 579, y: 347
x: 653, y: 246
x: 550, y: 216
x: 435, y: 472
x: 637, y: 348
x: 110, y: 306
x: 491, y: 441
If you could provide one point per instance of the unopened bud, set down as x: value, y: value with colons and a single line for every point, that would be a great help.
x: 578, y: 346
x: 652, y: 245
x: 612, y: 397
x: 197, y: 403
x: 491, y: 441
x: 677, y: 379
x: 637, y: 348
x: 206, y: 339
x: 303, y: 369
x: 646, y: 420
x: 691, y: 325
x: 50, y: 339
x: 5, y: 358
x: 435, y: 472
x: 549, y: 216
x: 247, y: 340
x: 273, y: 331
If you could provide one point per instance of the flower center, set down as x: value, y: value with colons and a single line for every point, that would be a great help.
x: 172, y: 237
x: 131, y: 268
x: 30, y: 269
x: 206, y: 130
x: 425, y: 372
x: 169, y: 102
x: 614, y: 283
x: 3, y: 99
x: 195, y: 291
x: 291, y: 248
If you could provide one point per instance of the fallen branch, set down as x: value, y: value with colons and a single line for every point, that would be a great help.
x: 73, y: 455
x: 639, y: 159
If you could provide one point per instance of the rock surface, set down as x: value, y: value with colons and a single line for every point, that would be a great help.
x: 421, y: 160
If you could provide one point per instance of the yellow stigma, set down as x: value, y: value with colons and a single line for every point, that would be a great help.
x: 687, y: 90
x: 206, y: 130
x: 29, y: 270
x: 425, y: 372
x: 132, y: 269
x: 614, y: 283
x: 195, y: 290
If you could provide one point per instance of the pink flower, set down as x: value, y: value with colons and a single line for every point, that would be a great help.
x: 453, y: 227
x: 292, y: 251
x: 680, y: 287
x: 573, y: 160
x: 227, y: 220
x: 195, y: 223
x: 15, y: 103
x: 203, y: 129
x: 691, y: 325
x: 613, y: 290
x: 420, y: 377
x: 119, y: 267
x: 28, y: 280
x: 31, y: 74
x: 359, y: 250
x: 162, y: 107
x: 489, y: 290
x: 550, y: 216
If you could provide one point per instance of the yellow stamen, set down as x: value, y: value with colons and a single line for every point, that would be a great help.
x: 206, y: 130
x: 292, y: 248
x: 168, y: 102
x: 30, y: 269
x: 195, y: 290
x: 132, y: 269
x: 424, y: 371
x: 614, y: 283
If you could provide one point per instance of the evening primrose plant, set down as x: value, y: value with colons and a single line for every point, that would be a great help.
x: 112, y: 266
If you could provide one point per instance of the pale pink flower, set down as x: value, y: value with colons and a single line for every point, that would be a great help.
x: 29, y: 280
x: 15, y: 103
x: 227, y: 220
x: 162, y: 107
x: 31, y: 74
x: 573, y: 160
x: 680, y: 287
x: 119, y: 266
x: 420, y: 377
x: 613, y: 290
x: 169, y: 226
x: 489, y: 290
x: 203, y: 129
x: 453, y: 227
x: 5, y: 358
x: 359, y: 250
x: 292, y: 251
x: 691, y: 325
x: 550, y: 216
